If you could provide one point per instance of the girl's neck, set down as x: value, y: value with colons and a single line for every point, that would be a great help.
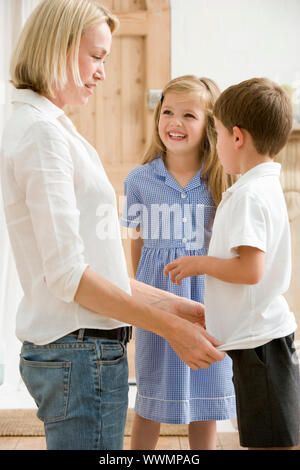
x: 182, y: 163
x: 182, y: 167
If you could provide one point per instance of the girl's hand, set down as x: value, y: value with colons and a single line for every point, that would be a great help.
x: 184, y: 267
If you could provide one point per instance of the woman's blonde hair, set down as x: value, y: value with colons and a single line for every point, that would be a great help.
x: 212, y: 170
x: 51, y: 36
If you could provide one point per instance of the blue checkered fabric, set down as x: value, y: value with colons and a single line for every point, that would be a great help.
x: 175, y: 222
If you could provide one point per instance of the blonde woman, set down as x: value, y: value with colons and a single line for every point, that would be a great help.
x: 73, y: 319
x: 171, y: 200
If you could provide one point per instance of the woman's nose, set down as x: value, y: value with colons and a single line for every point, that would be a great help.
x: 100, y: 73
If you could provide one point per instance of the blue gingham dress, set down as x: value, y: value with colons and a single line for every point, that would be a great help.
x: 175, y: 222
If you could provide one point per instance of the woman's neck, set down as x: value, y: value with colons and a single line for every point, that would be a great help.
x: 58, y: 102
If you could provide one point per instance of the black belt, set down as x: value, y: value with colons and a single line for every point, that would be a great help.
x: 123, y: 333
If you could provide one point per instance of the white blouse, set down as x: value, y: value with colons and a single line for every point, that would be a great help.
x: 62, y: 217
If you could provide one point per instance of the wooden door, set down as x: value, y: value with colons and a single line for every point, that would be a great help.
x: 117, y: 120
x: 289, y: 158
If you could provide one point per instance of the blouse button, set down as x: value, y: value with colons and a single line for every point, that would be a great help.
x: 184, y: 240
x: 183, y: 195
x: 184, y: 219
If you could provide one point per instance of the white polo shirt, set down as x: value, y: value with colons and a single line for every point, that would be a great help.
x: 61, y: 214
x: 253, y: 213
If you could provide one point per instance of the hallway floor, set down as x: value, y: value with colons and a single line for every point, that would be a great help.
x: 227, y: 434
x: 226, y: 441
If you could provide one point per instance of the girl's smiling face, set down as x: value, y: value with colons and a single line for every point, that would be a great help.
x: 182, y: 122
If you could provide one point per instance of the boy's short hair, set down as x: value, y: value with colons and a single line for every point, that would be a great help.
x: 261, y: 107
x: 50, y: 37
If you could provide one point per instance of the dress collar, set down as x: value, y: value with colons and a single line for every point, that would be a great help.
x: 160, y: 169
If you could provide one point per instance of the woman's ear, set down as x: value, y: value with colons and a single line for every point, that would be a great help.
x: 238, y: 137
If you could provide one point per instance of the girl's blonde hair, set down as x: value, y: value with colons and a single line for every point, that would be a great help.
x: 212, y: 171
x: 51, y: 36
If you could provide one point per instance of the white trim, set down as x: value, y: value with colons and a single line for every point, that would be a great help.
x: 181, y: 401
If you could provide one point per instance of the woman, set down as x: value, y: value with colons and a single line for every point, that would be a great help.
x: 73, y: 319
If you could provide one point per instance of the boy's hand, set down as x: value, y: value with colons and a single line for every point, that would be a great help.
x: 184, y: 267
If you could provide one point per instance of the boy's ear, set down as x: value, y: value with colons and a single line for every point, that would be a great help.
x: 238, y: 137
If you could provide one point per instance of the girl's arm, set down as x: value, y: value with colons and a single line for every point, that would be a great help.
x: 246, y: 268
x: 137, y: 243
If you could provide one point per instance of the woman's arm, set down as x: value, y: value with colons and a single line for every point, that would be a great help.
x: 185, y: 308
x: 180, y: 306
x: 44, y: 172
x: 193, y: 344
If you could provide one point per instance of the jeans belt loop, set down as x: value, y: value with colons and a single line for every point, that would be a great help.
x: 80, y: 334
x: 127, y: 334
x: 123, y: 339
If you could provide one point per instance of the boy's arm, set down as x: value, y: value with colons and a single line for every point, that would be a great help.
x: 246, y: 268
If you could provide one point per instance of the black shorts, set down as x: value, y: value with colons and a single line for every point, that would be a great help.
x: 266, y: 382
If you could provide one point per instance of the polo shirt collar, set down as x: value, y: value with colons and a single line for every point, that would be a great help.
x: 259, y: 171
x: 160, y: 169
x: 37, y: 101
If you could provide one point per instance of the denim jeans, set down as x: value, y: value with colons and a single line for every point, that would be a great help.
x: 81, y: 390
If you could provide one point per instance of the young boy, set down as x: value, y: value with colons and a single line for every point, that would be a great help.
x: 248, y: 266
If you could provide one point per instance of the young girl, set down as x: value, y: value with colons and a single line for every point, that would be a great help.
x: 171, y: 202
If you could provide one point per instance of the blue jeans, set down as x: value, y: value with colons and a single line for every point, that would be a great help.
x: 81, y: 390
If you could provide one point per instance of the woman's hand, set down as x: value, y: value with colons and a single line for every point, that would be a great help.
x: 155, y: 310
x: 188, y: 309
x: 164, y: 300
x: 195, y: 346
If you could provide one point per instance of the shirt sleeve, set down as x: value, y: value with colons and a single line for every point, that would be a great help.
x: 44, y: 171
x: 132, y: 214
x: 248, y: 224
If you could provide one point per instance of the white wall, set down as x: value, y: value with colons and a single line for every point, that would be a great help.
x: 13, y: 14
x: 232, y: 40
